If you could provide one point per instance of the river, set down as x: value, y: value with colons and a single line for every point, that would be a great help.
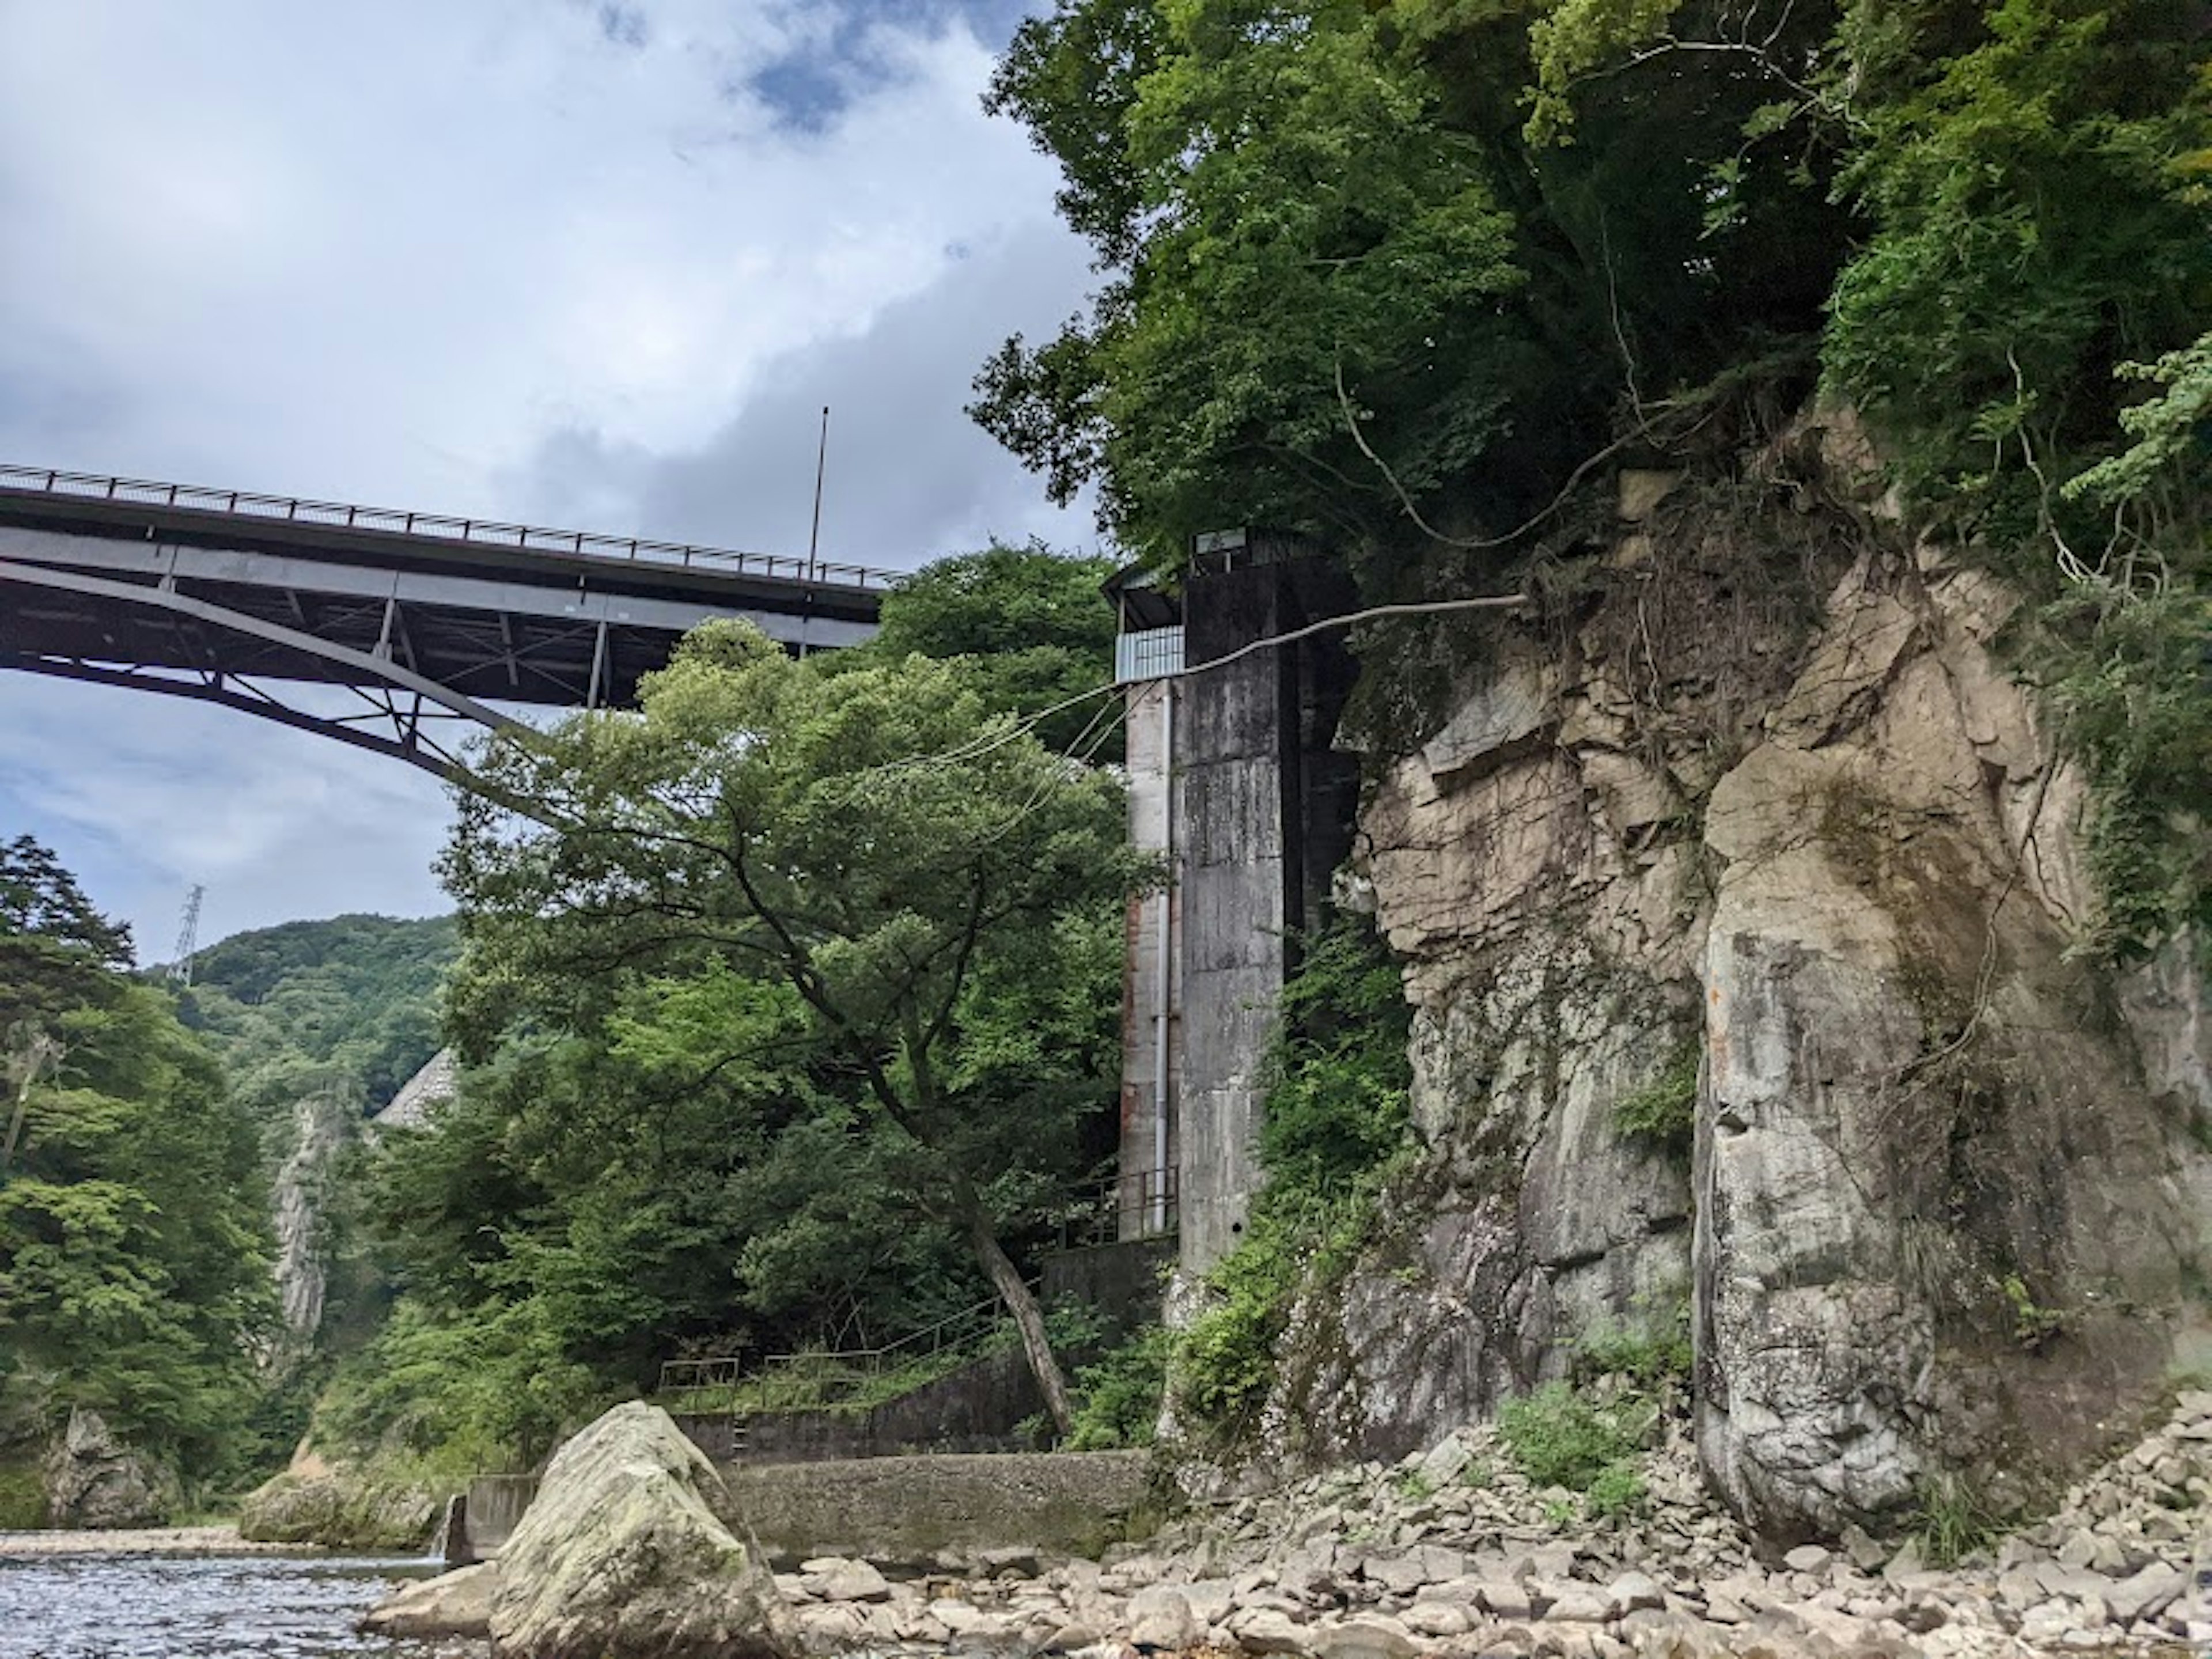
x: 168, y: 1607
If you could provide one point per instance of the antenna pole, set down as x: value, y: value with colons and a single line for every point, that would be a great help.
x: 821, y: 459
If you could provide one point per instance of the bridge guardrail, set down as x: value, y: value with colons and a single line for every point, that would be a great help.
x: 485, y: 533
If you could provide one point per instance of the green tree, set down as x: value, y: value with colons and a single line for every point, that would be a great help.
x: 862, y: 852
x: 134, y: 1272
x: 1034, y: 625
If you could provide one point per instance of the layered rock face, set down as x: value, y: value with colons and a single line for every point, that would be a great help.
x: 322, y: 1124
x: 93, y: 1481
x: 1772, y: 817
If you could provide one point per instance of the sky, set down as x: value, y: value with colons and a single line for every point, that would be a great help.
x: 583, y: 264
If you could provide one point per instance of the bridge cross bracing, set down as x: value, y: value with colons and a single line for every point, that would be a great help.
x: 421, y: 623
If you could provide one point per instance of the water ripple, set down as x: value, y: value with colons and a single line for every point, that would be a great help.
x: 147, y: 1607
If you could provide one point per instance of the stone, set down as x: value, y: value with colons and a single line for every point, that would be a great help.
x: 1161, y: 1617
x: 1576, y: 1604
x: 2145, y: 1593
x: 845, y: 1581
x: 1209, y: 1599
x: 456, y: 1605
x: 1266, y: 1630
x: 833, y: 1628
x: 625, y: 1553
x: 1641, y: 489
x: 1632, y: 1590
x: 1437, y: 1619
x: 1372, y: 1636
x: 1446, y: 1462
x: 1808, y: 1557
x: 2047, y: 1622
x: 1507, y: 1599
x: 1401, y: 1575
x: 339, y: 1509
x: 93, y: 1481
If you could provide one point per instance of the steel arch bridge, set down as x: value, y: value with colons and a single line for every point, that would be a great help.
x: 422, y: 621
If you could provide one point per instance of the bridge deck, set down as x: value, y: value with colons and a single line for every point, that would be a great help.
x: 132, y: 582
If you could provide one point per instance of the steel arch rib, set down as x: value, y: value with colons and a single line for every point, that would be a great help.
x: 429, y: 758
x: 375, y: 668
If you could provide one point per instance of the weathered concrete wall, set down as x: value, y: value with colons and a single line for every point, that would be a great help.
x: 491, y: 1508
x: 1121, y: 1281
x: 909, y: 1508
x: 1148, y: 993
x: 1265, y: 811
x: 975, y: 1409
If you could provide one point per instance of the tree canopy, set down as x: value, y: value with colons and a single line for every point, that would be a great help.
x: 134, y: 1273
x: 1373, y: 265
x: 787, y: 990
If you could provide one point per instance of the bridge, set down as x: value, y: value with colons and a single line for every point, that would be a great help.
x: 422, y: 621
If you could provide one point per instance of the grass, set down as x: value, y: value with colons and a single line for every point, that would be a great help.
x: 822, y: 1385
x: 1954, y: 1521
x: 1663, y: 1114
x: 1566, y: 1437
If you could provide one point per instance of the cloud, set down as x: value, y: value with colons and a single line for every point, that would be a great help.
x: 591, y: 264
x: 144, y: 798
x: 909, y: 477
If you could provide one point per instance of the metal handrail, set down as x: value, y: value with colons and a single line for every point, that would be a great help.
x: 247, y: 504
x: 725, y: 1369
x: 1135, y: 1204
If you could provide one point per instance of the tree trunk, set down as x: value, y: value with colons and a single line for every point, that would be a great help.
x: 1029, y: 1318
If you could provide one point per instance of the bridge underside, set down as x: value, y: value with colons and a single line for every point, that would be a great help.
x: 395, y: 643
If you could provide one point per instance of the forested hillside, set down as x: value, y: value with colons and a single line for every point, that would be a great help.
x: 351, y: 1002
x: 134, y: 1222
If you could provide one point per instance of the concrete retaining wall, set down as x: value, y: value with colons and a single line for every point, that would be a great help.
x: 1121, y: 1281
x: 907, y: 1509
x: 974, y: 1410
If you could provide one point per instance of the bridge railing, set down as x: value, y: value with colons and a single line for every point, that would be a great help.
x: 487, y: 532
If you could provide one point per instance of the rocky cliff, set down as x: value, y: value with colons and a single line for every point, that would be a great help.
x: 1740, y: 887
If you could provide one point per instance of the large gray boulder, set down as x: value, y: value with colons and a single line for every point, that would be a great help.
x: 452, y: 1605
x: 626, y: 1552
x: 338, y: 1508
x: 93, y: 1481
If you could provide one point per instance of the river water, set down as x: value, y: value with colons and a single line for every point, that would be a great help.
x: 155, y: 1606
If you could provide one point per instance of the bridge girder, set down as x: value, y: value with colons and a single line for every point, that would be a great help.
x: 236, y: 599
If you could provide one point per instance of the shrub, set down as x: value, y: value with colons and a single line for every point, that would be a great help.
x: 1119, y: 1395
x: 1654, y: 1349
x: 1663, y: 1114
x: 1561, y: 1437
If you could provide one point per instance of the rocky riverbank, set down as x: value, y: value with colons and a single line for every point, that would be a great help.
x: 1451, y: 1552
x: 137, y: 1540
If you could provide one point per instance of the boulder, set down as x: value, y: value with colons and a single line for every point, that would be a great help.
x: 343, y: 1509
x: 625, y: 1553
x: 94, y: 1481
x: 456, y: 1605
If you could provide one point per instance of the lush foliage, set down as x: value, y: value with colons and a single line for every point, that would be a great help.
x: 1662, y: 1113
x: 351, y: 1002
x: 1402, y: 273
x: 791, y: 1009
x: 1032, y: 630
x: 1120, y: 1393
x: 1574, y: 1438
x: 134, y: 1274
x: 1357, y: 256
x: 1335, y: 1124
